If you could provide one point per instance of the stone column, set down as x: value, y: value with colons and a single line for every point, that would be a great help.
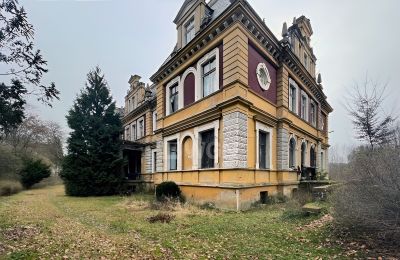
x: 235, y: 140
x: 282, y: 149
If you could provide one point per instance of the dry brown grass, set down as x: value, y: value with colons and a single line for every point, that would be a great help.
x: 9, y: 187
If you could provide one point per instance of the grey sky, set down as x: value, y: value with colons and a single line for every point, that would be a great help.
x: 124, y: 37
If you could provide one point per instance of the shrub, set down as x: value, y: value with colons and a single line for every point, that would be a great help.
x: 33, y: 172
x: 168, y: 190
x: 10, y: 164
x: 9, y: 187
x: 161, y: 217
x: 368, y: 201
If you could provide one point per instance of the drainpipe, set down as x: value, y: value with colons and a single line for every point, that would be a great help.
x: 237, y: 200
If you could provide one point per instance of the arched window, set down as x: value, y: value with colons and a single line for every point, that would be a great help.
x: 187, y: 146
x: 292, y: 153
x: 313, y: 159
x: 303, y: 154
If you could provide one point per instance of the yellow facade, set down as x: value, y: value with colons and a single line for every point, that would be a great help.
x: 235, y: 111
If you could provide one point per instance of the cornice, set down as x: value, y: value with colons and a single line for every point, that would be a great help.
x: 237, y: 13
x: 292, y: 61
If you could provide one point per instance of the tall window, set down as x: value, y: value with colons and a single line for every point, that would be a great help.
x: 304, y: 107
x: 293, y: 97
x: 207, y: 149
x: 172, y: 155
x: 313, y: 114
x: 313, y: 160
x: 263, y: 146
x: 129, y: 105
x: 141, y: 128
x: 173, y: 96
x: 133, y: 132
x: 154, y: 162
x: 209, y: 71
x: 292, y: 153
x: 154, y: 121
x: 189, y: 31
x: 133, y: 103
x: 305, y: 61
x: 303, y: 154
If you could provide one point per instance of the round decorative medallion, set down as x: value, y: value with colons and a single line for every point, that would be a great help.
x: 263, y: 76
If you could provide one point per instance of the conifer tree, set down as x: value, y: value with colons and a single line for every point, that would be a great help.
x: 93, y: 164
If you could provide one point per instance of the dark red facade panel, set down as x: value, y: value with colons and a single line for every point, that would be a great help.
x: 256, y: 58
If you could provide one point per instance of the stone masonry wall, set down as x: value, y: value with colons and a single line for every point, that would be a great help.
x: 235, y: 140
x: 283, y: 149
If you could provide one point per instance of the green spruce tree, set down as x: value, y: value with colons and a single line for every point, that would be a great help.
x: 93, y: 164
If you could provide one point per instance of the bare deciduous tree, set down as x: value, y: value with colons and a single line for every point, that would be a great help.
x: 365, y: 107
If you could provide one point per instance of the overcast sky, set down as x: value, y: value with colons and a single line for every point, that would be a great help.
x: 125, y: 37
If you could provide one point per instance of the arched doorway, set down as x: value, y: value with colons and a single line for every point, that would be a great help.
x: 187, y: 157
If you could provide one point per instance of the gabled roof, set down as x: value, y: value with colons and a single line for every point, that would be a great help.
x: 185, y: 7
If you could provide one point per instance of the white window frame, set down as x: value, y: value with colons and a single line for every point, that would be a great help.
x: 313, y: 120
x: 197, y: 142
x: 264, y: 128
x: 176, y: 80
x: 140, y: 134
x: 133, y: 131
x: 199, y: 73
x: 185, y: 26
x: 295, y: 151
x: 179, y: 152
x: 304, y: 117
x: 154, y: 119
x: 295, y: 110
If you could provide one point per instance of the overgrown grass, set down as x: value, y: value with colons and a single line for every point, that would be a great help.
x: 119, y: 227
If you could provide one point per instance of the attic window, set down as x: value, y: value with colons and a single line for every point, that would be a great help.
x: 189, y: 31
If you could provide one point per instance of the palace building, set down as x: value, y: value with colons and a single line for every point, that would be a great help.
x: 234, y: 114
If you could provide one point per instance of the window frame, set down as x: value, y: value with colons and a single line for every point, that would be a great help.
x: 305, y: 115
x: 202, y: 150
x: 140, y: 130
x: 133, y: 132
x: 166, y: 156
x: 313, y: 117
x: 173, y: 82
x: 169, y: 143
x: 296, y: 88
x: 204, y: 75
x: 294, y: 159
x: 260, y: 127
x: 197, y: 131
x: 154, y: 121
x: 199, y: 74
x: 191, y: 23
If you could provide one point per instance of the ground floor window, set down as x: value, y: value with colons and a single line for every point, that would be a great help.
x: 292, y: 153
x: 207, y: 149
x: 173, y: 155
x: 263, y: 150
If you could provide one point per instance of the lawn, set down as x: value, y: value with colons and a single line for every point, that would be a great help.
x: 44, y: 223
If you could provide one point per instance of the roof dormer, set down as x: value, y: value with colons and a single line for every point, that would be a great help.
x: 189, y: 20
